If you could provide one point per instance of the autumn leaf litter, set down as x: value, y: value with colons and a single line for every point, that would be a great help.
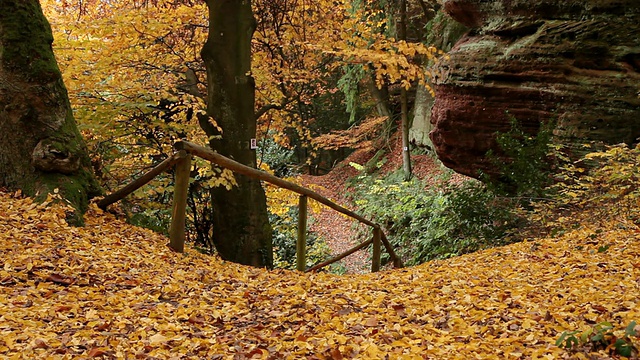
x: 112, y: 290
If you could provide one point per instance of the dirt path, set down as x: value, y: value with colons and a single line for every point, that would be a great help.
x: 337, y: 230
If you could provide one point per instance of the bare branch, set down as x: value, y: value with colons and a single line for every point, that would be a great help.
x: 263, y: 110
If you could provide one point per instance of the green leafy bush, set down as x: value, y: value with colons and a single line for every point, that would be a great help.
x: 427, y: 223
x: 601, y: 337
x: 447, y: 220
x: 525, y: 162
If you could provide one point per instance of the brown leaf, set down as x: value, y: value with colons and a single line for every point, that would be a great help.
x: 102, y: 326
x: 336, y: 354
x: 196, y: 320
x: 345, y: 311
x: 23, y: 304
x: 96, y: 351
x: 372, y: 321
x: 259, y: 352
x: 400, y: 310
x: 40, y: 344
x: 62, y: 308
x: 61, y: 279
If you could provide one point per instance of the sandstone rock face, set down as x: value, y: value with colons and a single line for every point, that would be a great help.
x: 574, y: 62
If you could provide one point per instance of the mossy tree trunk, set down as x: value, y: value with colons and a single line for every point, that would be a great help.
x: 40, y: 147
x: 241, y: 230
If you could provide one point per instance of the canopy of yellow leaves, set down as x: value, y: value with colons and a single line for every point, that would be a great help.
x: 111, y: 289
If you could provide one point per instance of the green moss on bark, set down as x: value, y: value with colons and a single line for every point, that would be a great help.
x: 26, y: 39
x: 37, y: 107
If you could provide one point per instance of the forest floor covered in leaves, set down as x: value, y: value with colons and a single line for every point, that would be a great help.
x: 111, y: 290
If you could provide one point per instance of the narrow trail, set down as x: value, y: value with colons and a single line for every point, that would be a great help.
x: 339, y: 231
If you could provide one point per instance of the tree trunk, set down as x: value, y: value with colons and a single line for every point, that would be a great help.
x: 40, y: 147
x: 241, y: 231
x: 404, y: 106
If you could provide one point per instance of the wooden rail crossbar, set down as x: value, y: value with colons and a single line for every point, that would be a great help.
x: 182, y: 160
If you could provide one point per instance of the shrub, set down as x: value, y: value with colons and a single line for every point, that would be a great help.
x: 427, y: 223
x: 525, y: 162
x: 601, y: 337
x: 447, y: 220
x: 285, y: 234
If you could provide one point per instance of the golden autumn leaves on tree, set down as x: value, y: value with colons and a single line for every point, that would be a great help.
x: 138, y: 84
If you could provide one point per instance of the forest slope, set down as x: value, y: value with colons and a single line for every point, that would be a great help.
x: 116, y: 291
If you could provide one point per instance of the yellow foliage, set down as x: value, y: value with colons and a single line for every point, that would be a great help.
x: 280, y: 200
x: 603, y: 186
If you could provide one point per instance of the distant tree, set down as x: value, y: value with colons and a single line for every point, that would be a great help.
x: 40, y: 146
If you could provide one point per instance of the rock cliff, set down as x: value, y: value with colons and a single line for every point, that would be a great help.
x: 574, y: 62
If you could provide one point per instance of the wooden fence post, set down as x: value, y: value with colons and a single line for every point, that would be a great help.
x: 375, y: 258
x: 180, y: 190
x: 301, y: 245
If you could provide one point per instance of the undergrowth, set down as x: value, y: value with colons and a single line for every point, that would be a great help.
x: 603, y: 184
x: 430, y: 222
x: 425, y: 223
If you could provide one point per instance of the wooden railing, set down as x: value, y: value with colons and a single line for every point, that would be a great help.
x: 182, y: 160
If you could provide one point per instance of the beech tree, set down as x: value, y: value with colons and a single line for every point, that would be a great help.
x: 41, y: 149
x: 242, y: 232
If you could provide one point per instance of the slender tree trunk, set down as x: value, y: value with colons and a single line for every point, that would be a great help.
x: 40, y: 147
x: 241, y: 225
x: 404, y: 107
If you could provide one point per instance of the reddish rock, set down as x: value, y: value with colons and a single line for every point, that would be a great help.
x: 573, y: 62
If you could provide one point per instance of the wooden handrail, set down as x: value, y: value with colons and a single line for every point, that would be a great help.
x: 341, y: 256
x: 138, y: 183
x: 182, y: 155
x: 235, y: 166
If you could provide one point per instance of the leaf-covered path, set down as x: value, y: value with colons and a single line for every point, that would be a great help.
x: 336, y: 230
x: 115, y: 291
x: 339, y: 231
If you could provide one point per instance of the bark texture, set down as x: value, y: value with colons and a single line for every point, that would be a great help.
x: 575, y: 62
x: 241, y: 231
x: 40, y: 146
